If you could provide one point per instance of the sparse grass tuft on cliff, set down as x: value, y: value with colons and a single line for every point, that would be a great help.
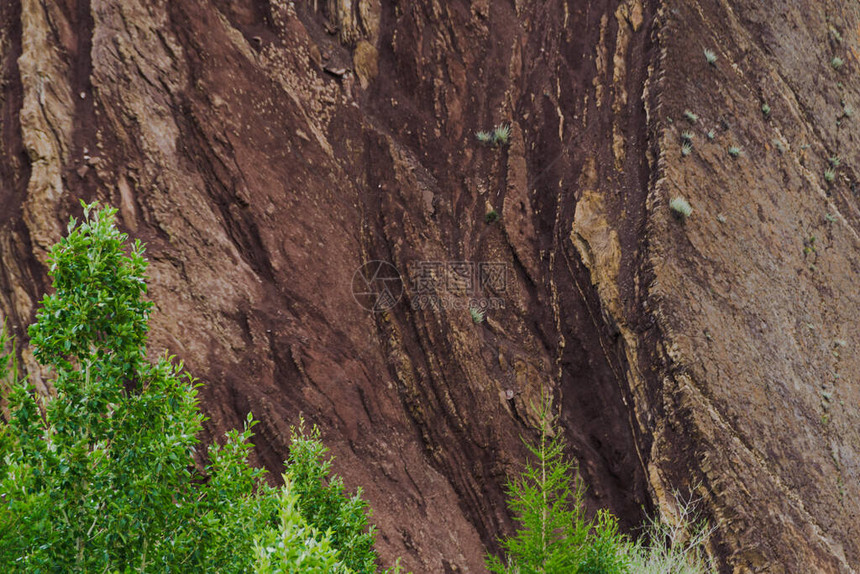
x: 501, y: 134
x: 484, y: 137
x: 734, y: 151
x: 710, y: 57
x: 476, y: 314
x: 686, y: 148
x: 680, y: 208
x: 837, y: 62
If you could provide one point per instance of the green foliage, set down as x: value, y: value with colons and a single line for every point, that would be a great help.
x: 295, y: 546
x: 829, y: 175
x: 735, y: 151
x: 710, y: 57
x: 477, y: 314
x: 680, y: 207
x: 555, y: 538
x: 836, y: 35
x: 323, y: 501
x: 837, y: 62
x: 765, y: 109
x: 501, y: 134
x: 686, y: 148
x: 101, y: 476
x: 553, y: 534
x: 98, y: 474
x: 484, y: 137
x: 491, y: 216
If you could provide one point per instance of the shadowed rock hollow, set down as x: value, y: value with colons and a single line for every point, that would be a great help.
x: 266, y: 150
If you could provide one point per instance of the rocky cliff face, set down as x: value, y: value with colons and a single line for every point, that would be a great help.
x: 266, y: 149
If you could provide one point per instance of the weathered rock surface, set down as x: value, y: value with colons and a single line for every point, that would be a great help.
x: 265, y: 150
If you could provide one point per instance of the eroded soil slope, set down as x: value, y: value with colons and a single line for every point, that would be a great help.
x: 266, y: 150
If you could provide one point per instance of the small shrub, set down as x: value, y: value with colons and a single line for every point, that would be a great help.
x: 687, y: 136
x: 829, y: 175
x: 690, y: 116
x: 711, y: 135
x: 835, y: 161
x: 680, y: 208
x: 836, y: 35
x: 848, y: 111
x: 734, y: 151
x: 501, y: 134
x: 686, y: 148
x: 710, y: 57
x: 492, y: 216
x: 679, y: 548
x: 765, y: 109
x: 484, y: 137
x: 477, y: 314
x: 837, y: 62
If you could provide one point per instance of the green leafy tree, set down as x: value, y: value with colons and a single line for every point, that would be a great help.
x: 295, y: 546
x: 325, y: 503
x: 101, y: 476
x: 553, y: 535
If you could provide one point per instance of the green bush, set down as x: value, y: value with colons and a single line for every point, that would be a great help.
x: 680, y: 207
x: 101, y: 477
x: 323, y: 501
x: 554, y: 535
